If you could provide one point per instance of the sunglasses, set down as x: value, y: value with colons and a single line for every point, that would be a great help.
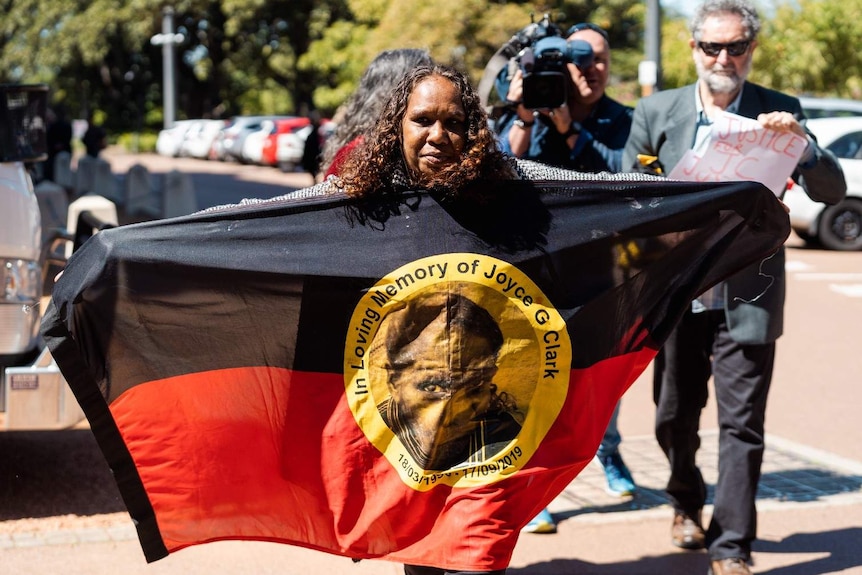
x: 587, y: 26
x: 733, y: 48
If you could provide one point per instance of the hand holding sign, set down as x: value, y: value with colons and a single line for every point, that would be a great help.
x: 743, y: 149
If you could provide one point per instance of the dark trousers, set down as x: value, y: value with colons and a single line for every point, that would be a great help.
x: 418, y: 570
x: 698, y: 347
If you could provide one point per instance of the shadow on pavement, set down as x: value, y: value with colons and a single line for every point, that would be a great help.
x: 842, y: 549
x: 803, y: 484
x: 838, y: 552
x: 806, y: 484
x: 49, y: 473
x: 670, y: 564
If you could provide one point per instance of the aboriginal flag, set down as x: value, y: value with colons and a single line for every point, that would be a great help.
x: 410, y: 379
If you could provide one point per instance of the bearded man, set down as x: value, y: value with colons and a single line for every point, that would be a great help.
x: 730, y: 331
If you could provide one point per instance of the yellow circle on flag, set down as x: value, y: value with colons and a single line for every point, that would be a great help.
x: 455, y: 368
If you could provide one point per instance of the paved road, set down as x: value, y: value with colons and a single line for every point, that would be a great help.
x: 60, y: 512
x: 216, y: 183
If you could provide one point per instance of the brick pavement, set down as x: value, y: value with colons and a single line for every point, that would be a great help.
x: 792, y: 473
x: 809, y: 501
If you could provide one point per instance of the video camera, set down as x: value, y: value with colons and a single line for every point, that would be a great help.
x: 542, y: 58
x: 546, y: 79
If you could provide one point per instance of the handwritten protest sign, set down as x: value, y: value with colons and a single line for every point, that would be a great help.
x: 741, y: 149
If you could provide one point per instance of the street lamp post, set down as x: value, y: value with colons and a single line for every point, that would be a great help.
x: 649, y: 71
x: 167, y: 40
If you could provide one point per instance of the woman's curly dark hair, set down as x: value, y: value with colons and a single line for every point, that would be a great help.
x: 373, y: 168
x: 361, y: 110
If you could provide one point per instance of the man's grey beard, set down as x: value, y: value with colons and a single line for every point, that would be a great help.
x: 721, y: 83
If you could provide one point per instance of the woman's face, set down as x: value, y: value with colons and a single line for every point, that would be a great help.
x: 434, y: 127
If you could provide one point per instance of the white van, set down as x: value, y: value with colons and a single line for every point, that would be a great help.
x: 33, y: 393
x: 22, y: 139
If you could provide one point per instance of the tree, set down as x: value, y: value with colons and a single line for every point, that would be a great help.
x: 239, y: 56
x: 256, y: 56
x: 812, y: 47
x: 290, y: 56
x: 677, y: 64
x: 461, y: 33
x: 804, y: 47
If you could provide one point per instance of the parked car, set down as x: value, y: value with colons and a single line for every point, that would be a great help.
x: 269, y: 156
x: 256, y: 143
x: 252, y: 143
x: 234, y: 135
x: 837, y: 227
x: 199, y: 138
x: 830, y: 107
x: 290, y: 145
x: 170, y: 140
x: 226, y: 139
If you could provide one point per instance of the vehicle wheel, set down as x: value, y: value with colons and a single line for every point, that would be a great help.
x: 805, y: 236
x: 840, y: 226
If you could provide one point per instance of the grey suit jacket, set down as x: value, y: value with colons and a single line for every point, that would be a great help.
x: 664, y: 126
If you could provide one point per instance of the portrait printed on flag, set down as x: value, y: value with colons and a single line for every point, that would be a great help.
x: 451, y: 350
x: 439, y: 354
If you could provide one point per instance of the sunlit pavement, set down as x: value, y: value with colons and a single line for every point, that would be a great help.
x: 809, y: 500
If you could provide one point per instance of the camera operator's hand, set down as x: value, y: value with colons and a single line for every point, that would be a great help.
x: 516, y: 88
x: 561, y: 117
x: 515, y: 95
x: 563, y: 123
x: 522, y: 129
x: 583, y: 93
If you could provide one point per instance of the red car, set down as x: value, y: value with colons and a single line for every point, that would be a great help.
x: 270, y: 143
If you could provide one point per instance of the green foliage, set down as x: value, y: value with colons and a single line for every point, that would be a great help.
x: 332, y: 60
x: 804, y: 47
x: 288, y: 56
x: 676, y: 60
x: 138, y: 142
x: 461, y: 33
x: 812, y: 47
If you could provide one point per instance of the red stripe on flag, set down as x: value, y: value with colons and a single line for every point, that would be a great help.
x: 270, y: 454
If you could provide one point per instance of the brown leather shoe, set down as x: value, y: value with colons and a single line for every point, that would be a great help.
x: 730, y: 566
x: 687, y: 532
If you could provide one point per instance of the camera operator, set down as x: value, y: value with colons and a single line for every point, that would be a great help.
x: 587, y: 132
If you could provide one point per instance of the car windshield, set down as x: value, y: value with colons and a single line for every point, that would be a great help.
x: 847, y: 146
x: 830, y: 108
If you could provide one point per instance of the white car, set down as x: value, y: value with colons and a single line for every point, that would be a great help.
x: 199, y: 138
x: 233, y: 137
x: 170, y: 140
x: 290, y: 146
x: 830, y: 107
x: 228, y: 143
x: 252, y: 145
x: 837, y: 227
